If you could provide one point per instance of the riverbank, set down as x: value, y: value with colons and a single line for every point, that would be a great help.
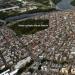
x: 4, y: 15
x: 56, y: 1
x: 65, y: 5
x: 73, y: 3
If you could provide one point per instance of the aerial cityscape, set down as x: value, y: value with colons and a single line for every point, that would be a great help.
x: 37, y: 37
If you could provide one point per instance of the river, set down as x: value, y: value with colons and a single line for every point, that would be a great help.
x: 64, y: 5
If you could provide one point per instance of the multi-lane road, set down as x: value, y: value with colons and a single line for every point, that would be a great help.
x: 25, y: 16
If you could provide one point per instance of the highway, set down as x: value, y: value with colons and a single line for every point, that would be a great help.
x: 28, y: 16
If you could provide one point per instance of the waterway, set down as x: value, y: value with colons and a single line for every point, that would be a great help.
x: 64, y: 5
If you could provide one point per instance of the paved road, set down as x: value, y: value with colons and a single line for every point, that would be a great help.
x: 9, y: 19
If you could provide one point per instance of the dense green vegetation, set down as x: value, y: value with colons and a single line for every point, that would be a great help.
x: 28, y: 30
x: 73, y: 2
x: 56, y: 1
x: 4, y: 15
x: 45, y: 2
x: 41, y: 10
x: 33, y: 22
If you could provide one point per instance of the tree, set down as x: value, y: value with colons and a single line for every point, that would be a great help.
x: 56, y: 1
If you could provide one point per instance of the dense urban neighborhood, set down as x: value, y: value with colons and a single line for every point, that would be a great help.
x: 37, y: 37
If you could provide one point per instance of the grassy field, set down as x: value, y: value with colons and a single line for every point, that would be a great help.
x: 28, y: 30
